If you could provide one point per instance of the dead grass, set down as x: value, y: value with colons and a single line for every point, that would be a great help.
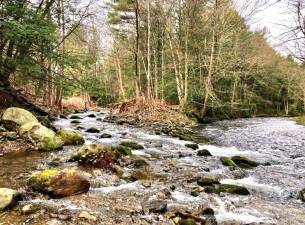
x: 150, y: 111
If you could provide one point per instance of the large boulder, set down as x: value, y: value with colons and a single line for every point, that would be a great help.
x: 71, y: 137
x: 100, y: 156
x: 17, y: 116
x: 42, y: 137
x: 8, y: 198
x: 59, y: 184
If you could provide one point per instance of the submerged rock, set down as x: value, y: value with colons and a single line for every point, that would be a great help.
x: 42, y: 137
x: 204, y: 152
x: 59, y: 183
x: 243, y: 162
x: 132, y: 145
x: 8, y: 198
x: 192, y: 146
x: 92, y: 130
x: 18, y: 116
x: 106, y: 136
x: 227, y: 188
x: 226, y: 161
x: 71, y: 137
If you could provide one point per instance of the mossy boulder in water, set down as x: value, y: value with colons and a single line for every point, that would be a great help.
x: 226, y: 161
x: 8, y: 198
x: 192, y: 146
x: 71, y: 137
x: 75, y: 117
x: 132, y: 145
x: 18, y: 116
x: 227, y: 188
x: 75, y: 122
x: 243, y: 162
x: 42, y: 137
x: 100, y: 156
x: 92, y: 130
x: 59, y: 183
x: 207, y: 180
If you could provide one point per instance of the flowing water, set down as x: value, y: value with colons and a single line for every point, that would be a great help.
x: 277, y: 143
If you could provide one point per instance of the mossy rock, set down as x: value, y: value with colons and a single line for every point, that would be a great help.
x: 59, y: 183
x: 244, y: 162
x: 204, y: 152
x: 75, y: 122
x: 226, y: 161
x: 91, y: 115
x: 227, y: 188
x: 139, y: 161
x: 75, y: 117
x: 187, y: 222
x: 192, y: 146
x: 42, y: 137
x: 123, y: 150
x: 207, y: 180
x: 132, y: 145
x: 18, y: 116
x: 93, y: 130
x: 106, y: 135
x: 71, y: 137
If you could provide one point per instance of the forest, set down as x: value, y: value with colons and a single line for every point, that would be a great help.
x: 200, y: 55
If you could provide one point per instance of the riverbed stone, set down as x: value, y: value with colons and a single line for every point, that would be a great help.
x: 204, y: 152
x: 59, y: 184
x: 132, y: 145
x: 71, y: 137
x: 75, y: 117
x: 106, y: 135
x: 155, y: 206
x: 207, y: 180
x: 18, y: 116
x: 42, y: 137
x: 192, y: 146
x: 8, y: 198
x: 227, y: 188
x: 226, y: 161
x: 75, y: 122
x: 244, y: 162
x: 92, y: 130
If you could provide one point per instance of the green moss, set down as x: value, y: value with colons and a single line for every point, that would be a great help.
x: 243, y: 162
x: 139, y: 161
x: 39, y: 181
x: 192, y: 146
x: 300, y: 120
x: 51, y: 143
x: 227, y: 188
x: 187, y: 222
x: 132, y: 145
x: 71, y: 137
x: 226, y: 161
x: 123, y: 150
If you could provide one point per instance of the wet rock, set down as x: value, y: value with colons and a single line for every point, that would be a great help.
x: 61, y: 116
x: 28, y: 209
x: 132, y: 145
x: 204, y: 152
x: 87, y: 216
x: 100, y: 156
x: 40, y: 136
x: 75, y: 121
x: 59, y: 184
x: 244, y: 162
x: 106, y: 135
x: 155, y: 206
x: 207, y: 180
x: 187, y: 222
x: 80, y: 128
x: 18, y: 116
x: 302, y: 195
x: 75, y: 117
x: 192, y: 146
x: 8, y: 198
x: 227, y: 188
x: 71, y: 137
x: 92, y: 130
x: 139, y: 161
x: 91, y: 116
x: 226, y: 161
x: 44, y: 120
